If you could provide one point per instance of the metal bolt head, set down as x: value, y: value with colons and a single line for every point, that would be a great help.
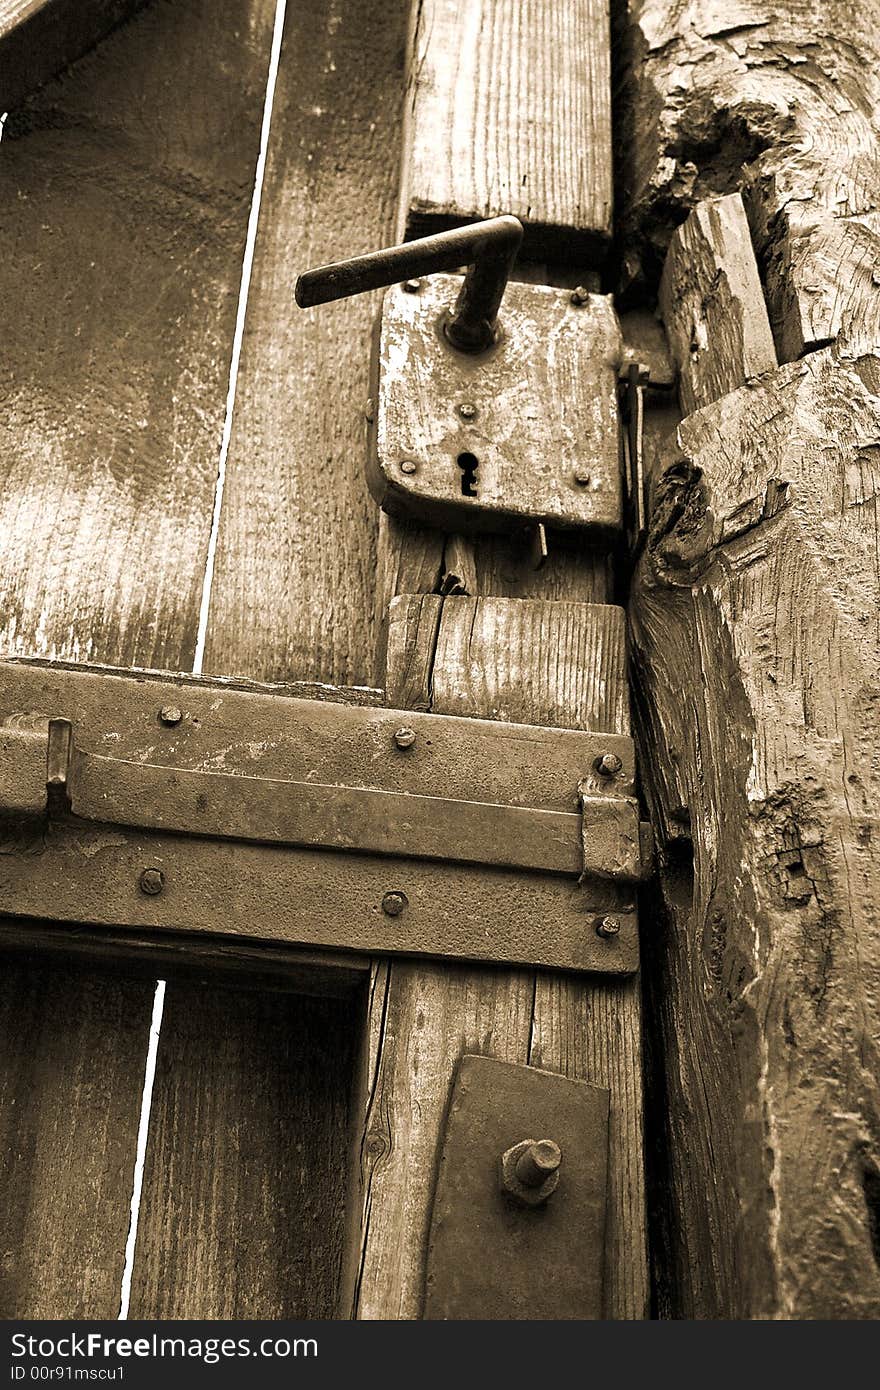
x: 582, y: 477
x: 608, y: 765
x: 404, y: 737
x: 170, y: 715
x: 152, y: 881
x: 408, y: 466
x: 580, y: 295
x: 467, y: 410
x: 530, y: 1171
x: 412, y: 286
x: 394, y: 903
x: 608, y: 926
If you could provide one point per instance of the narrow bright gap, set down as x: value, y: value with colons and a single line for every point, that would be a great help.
x: 235, y: 359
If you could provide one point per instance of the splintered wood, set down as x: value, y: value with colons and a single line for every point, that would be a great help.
x: 509, y: 110
x: 756, y: 643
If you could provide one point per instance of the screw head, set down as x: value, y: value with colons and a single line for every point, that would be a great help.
x: 608, y: 926
x: 152, y: 881
x: 394, y: 903
x: 404, y: 737
x: 170, y: 715
x: 412, y: 286
x: 408, y: 466
x: 608, y: 765
x: 579, y: 295
x: 467, y: 410
x: 530, y: 1171
x: 582, y: 477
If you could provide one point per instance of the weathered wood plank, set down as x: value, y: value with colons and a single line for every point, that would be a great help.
x: 245, y: 1216
x: 713, y: 305
x: 39, y: 37
x: 782, y: 101
x: 292, y: 596
x: 535, y: 661
x: 127, y: 188
x: 73, y: 1049
x: 756, y: 646
x: 509, y: 110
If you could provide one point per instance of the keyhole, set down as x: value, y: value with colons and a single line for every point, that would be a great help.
x: 468, y: 463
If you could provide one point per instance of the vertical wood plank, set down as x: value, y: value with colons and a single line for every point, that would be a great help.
x: 292, y: 597
x: 126, y: 192
x: 509, y: 110
x: 531, y: 661
x: 245, y: 1179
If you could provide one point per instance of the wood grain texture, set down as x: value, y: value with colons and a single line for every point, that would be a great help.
x: 508, y: 110
x: 292, y: 596
x: 126, y: 190
x: 532, y: 661
x: 755, y: 632
x: 73, y: 1048
x: 781, y: 101
x: 296, y: 558
x: 39, y: 37
x: 251, y: 1095
x: 713, y: 305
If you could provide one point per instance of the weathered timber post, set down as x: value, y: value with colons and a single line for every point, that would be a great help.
x: 755, y: 633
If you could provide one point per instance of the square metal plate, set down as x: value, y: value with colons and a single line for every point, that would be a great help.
x: 522, y: 433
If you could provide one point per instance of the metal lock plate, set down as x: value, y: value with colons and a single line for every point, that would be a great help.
x: 491, y: 1256
x: 524, y: 432
x: 311, y: 822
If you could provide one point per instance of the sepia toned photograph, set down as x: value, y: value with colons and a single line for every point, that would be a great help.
x: 439, y: 677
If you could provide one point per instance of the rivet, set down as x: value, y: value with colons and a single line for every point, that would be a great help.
x: 394, y: 903
x: 170, y: 715
x: 608, y: 765
x: 152, y: 881
x: 467, y: 410
x: 404, y: 737
x: 412, y: 286
x: 408, y: 466
x: 580, y: 294
x: 582, y: 477
x: 608, y: 926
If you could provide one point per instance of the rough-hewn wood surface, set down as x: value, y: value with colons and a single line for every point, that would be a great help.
x: 508, y: 110
x: 296, y: 559
x: 782, y: 99
x: 39, y: 37
x: 292, y: 596
x: 126, y: 190
x: 545, y: 662
x: 755, y: 635
x: 713, y: 305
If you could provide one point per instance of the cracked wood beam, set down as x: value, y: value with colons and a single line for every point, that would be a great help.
x: 756, y: 648
x: 781, y: 100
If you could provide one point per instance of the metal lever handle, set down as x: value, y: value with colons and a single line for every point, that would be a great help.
x: 488, y: 249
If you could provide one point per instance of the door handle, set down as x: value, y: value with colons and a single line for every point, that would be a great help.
x: 488, y: 248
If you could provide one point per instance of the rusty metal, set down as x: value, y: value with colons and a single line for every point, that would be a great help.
x: 492, y: 1254
x: 608, y: 926
x: 152, y: 881
x: 229, y: 808
x: 608, y: 765
x: 489, y: 248
x: 633, y: 447
x: 530, y: 1171
x: 538, y: 442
